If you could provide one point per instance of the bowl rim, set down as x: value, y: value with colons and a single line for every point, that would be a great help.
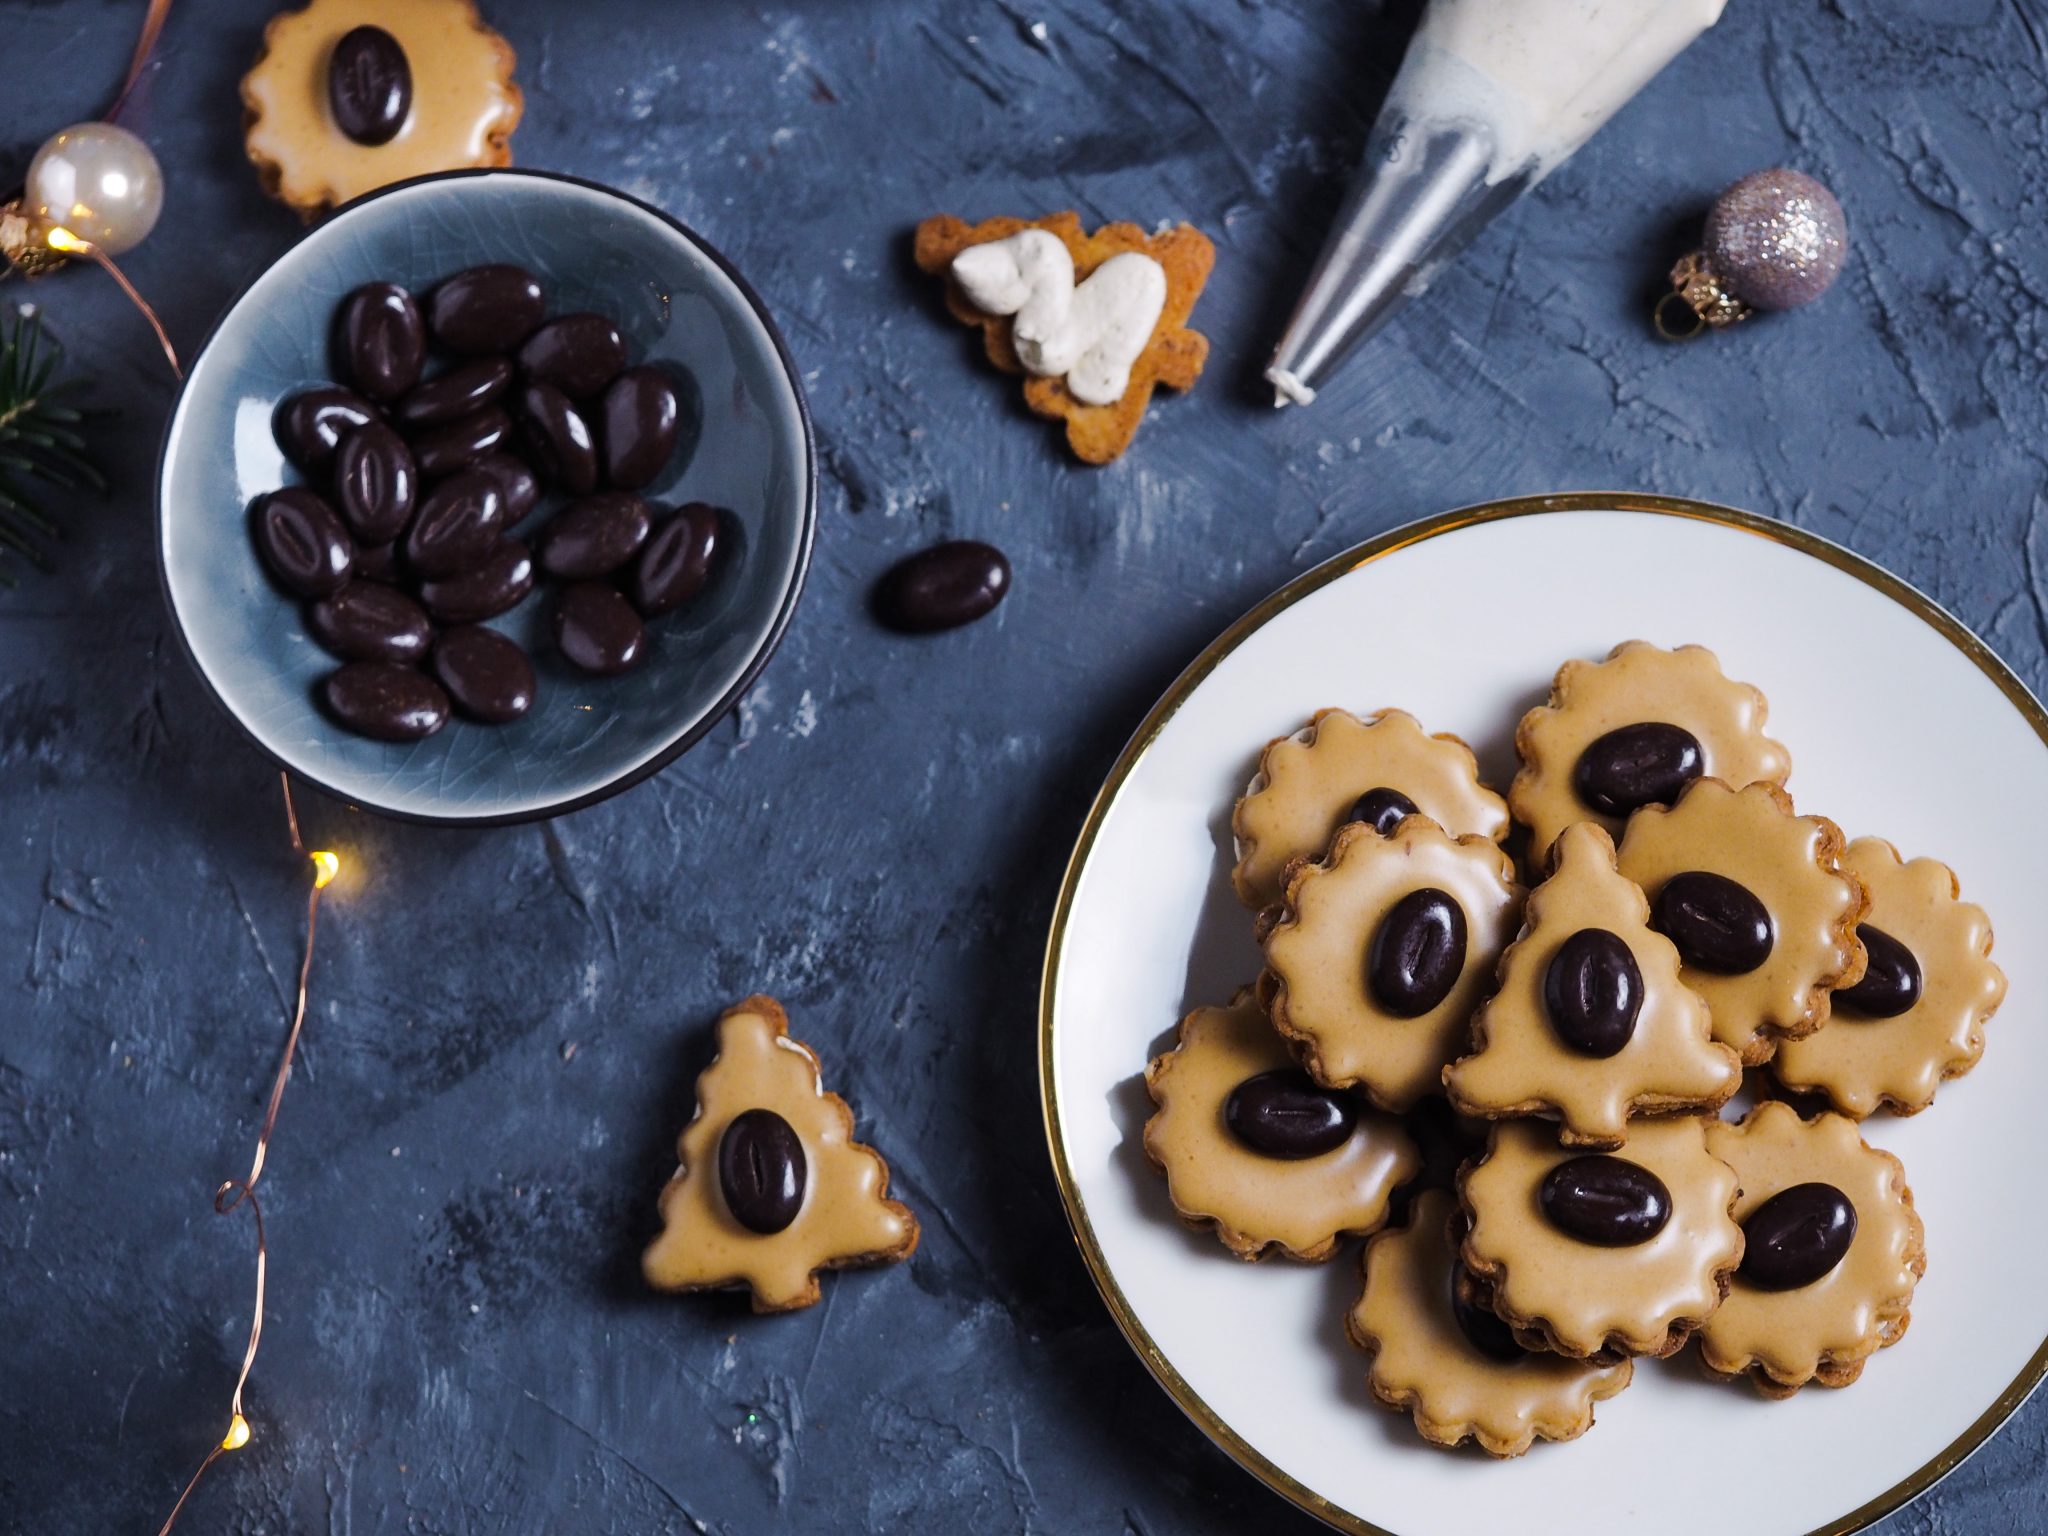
x: 725, y: 703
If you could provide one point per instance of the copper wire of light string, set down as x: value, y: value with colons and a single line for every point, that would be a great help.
x: 152, y: 28
x: 235, y: 1193
x: 71, y: 245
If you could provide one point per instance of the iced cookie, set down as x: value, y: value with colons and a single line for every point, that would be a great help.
x: 772, y: 1186
x: 1758, y: 904
x: 1917, y: 1016
x: 1598, y: 1253
x: 1442, y: 1355
x: 1632, y: 731
x: 1095, y: 322
x: 1339, y: 768
x: 1835, y: 1249
x: 351, y: 95
x: 1383, y: 950
x: 1591, y: 1023
x: 1253, y: 1149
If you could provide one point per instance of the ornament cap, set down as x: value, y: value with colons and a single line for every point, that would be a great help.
x: 1698, y: 301
x: 22, y: 245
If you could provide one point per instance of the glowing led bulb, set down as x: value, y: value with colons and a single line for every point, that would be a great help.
x: 325, y: 867
x: 237, y: 1435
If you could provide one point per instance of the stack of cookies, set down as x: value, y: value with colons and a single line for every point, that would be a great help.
x: 1681, y: 922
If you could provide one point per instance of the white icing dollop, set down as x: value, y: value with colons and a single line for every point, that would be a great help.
x: 1092, y: 333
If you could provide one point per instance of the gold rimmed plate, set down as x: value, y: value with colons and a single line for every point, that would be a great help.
x: 1901, y: 724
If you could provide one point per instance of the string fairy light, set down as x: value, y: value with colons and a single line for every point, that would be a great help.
x: 233, y: 1194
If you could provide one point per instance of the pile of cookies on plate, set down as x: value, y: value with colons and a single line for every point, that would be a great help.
x: 1683, y: 922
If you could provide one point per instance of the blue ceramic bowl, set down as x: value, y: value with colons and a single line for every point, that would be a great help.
x: 746, y: 445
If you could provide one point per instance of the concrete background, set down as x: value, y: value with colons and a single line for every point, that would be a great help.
x: 458, y: 1340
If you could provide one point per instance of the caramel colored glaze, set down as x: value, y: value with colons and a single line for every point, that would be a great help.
x: 1308, y: 782
x: 1862, y: 1064
x: 464, y: 104
x: 1253, y: 1202
x: 846, y: 1217
x: 1578, y: 1299
x: 1315, y: 981
x: 1793, y: 865
x: 1519, y: 1066
x: 1637, y: 682
x: 1826, y: 1330
x: 1423, y: 1362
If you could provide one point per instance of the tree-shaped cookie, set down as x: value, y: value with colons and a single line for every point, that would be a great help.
x: 772, y: 1186
x: 1591, y: 1023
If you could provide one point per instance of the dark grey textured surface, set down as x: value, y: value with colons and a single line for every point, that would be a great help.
x: 458, y: 1340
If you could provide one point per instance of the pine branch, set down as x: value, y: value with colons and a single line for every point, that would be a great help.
x: 37, y: 442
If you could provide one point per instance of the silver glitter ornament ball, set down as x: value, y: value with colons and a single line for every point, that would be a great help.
x: 1776, y: 239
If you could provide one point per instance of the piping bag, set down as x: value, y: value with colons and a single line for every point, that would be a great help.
x: 1492, y: 96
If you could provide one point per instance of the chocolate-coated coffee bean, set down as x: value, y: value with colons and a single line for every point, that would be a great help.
x: 443, y: 450
x: 594, y: 536
x: 366, y: 621
x: 386, y: 701
x: 455, y: 394
x: 487, y: 676
x: 380, y: 341
x: 1593, y: 992
x: 578, y: 354
x: 498, y: 584
x: 516, y: 479
x: 1605, y: 1200
x: 557, y: 438
x: 457, y: 526
x: 369, y: 85
x: 761, y: 1170
x: 942, y: 587
x: 1483, y: 1330
x: 378, y: 562
x: 1637, y: 765
x: 1796, y: 1236
x: 1381, y: 809
x: 677, y: 560
x: 1891, y: 981
x: 1717, y: 924
x: 310, y: 426
x: 1417, y: 953
x: 376, y: 483
x: 637, y: 425
x: 597, y: 629
x: 486, y: 309
x: 1285, y: 1113
x: 303, y: 541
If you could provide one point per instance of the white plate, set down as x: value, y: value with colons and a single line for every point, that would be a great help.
x: 1900, y: 723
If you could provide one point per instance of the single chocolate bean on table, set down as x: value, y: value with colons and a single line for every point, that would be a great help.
x: 594, y: 536
x: 557, y: 438
x: 1382, y: 809
x: 497, y: 584
x: 388, y: 702
x: 453, y: 395
x: 1605, y: 1200
x: 1796, y: 1236
x: 1286, y: 1113
x: 1637, y: 765
x: 637, y: 426
x: 485, y: 673
x: 369, y: 85
x: 597, y: 630
x: 677, y: 559
x: 445, y: 449
x: 1718, y: 924
x: 380, y: 340
x: 942, y: 587
x: 303, y: 541
x: 310, y: 425
x: 578, y: 354
x: 1483, y: 1329
x: 492, y: 308
x: 376, y: 482
x: 1593, y: 992
x: 1891, y: 981
x: 762, y: 1170
x: 1417, y: 953
x: 457, y: 526
x: 366, y: 621
x: 515, y: 478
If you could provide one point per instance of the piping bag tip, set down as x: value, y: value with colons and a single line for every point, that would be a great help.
x: 1288, y: 389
